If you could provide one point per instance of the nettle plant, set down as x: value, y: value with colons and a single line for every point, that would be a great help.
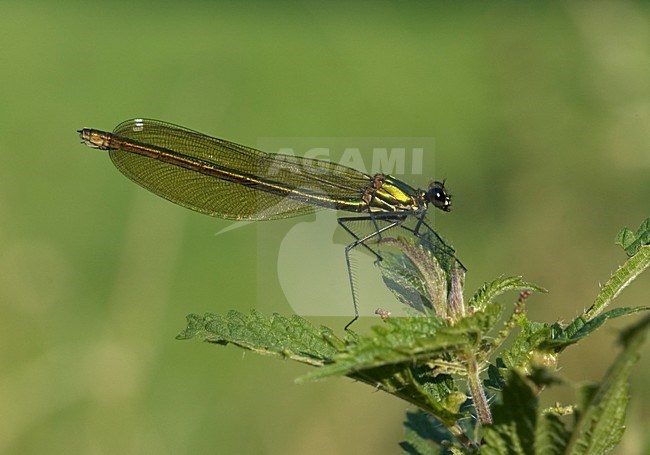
x: 473, y: 378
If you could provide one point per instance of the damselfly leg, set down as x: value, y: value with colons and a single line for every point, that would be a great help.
x: 422, y: 231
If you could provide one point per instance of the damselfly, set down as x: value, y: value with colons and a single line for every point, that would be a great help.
x: 228, y: 180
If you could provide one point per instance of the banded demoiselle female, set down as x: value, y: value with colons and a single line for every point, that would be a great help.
x: 224, y: 179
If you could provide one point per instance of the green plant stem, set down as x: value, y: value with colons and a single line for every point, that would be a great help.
x: 460, y: 435
x: 477, y: 392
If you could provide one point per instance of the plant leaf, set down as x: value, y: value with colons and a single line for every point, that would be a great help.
x: 403, y: 281
x: 422, y: 431
x: 551, y: 436
x: 532, y: 335
x: 416, y: 269
x: 489, y: 291
x: 408, y: 341
x: 619, y: 280
x: 601, y: 425
x: 292, y: 338
x: 633, y: 241
x: 579, y: 328
x: 515, y: 419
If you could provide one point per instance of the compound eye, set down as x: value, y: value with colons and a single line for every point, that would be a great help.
x: 438, y: 196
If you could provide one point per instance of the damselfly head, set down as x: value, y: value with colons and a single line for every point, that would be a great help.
x: 438, y: 196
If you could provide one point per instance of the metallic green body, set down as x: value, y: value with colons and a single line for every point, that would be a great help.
x: 228, y: 180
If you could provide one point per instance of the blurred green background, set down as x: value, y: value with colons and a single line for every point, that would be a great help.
x: 541, y: 117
